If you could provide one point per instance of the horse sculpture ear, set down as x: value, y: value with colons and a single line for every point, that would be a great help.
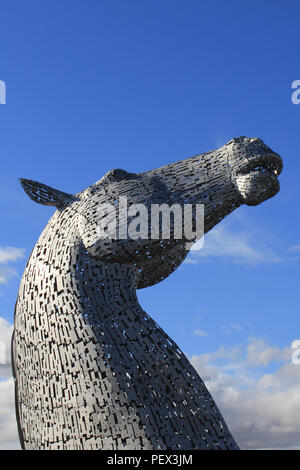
x: 43, y: 194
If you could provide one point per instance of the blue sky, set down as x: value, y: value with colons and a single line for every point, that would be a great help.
x: 132, y: 84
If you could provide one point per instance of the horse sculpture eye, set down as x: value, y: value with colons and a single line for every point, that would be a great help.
x: 119, y: 174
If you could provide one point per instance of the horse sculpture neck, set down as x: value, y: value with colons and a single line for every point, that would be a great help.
x: 92, y: 369
x: 104, y: 374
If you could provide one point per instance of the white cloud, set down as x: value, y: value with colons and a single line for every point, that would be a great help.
x: 9, y: 253
x: 239, y: 240
x: 6, y: 274
x: 6, y: 330
x: 8, y: 428
x: 259, y: 352
x: 294, y: 248
x: 262, y: 409
x: 8, y: 425
x: 200, y: 333
x: 236, y: 327
x: 233, y: 327
x: 241, y: 246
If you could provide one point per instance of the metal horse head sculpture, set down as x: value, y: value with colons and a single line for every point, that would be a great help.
x: 92, y: 370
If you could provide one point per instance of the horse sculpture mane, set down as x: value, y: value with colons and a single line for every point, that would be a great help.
x: 92, y: 370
